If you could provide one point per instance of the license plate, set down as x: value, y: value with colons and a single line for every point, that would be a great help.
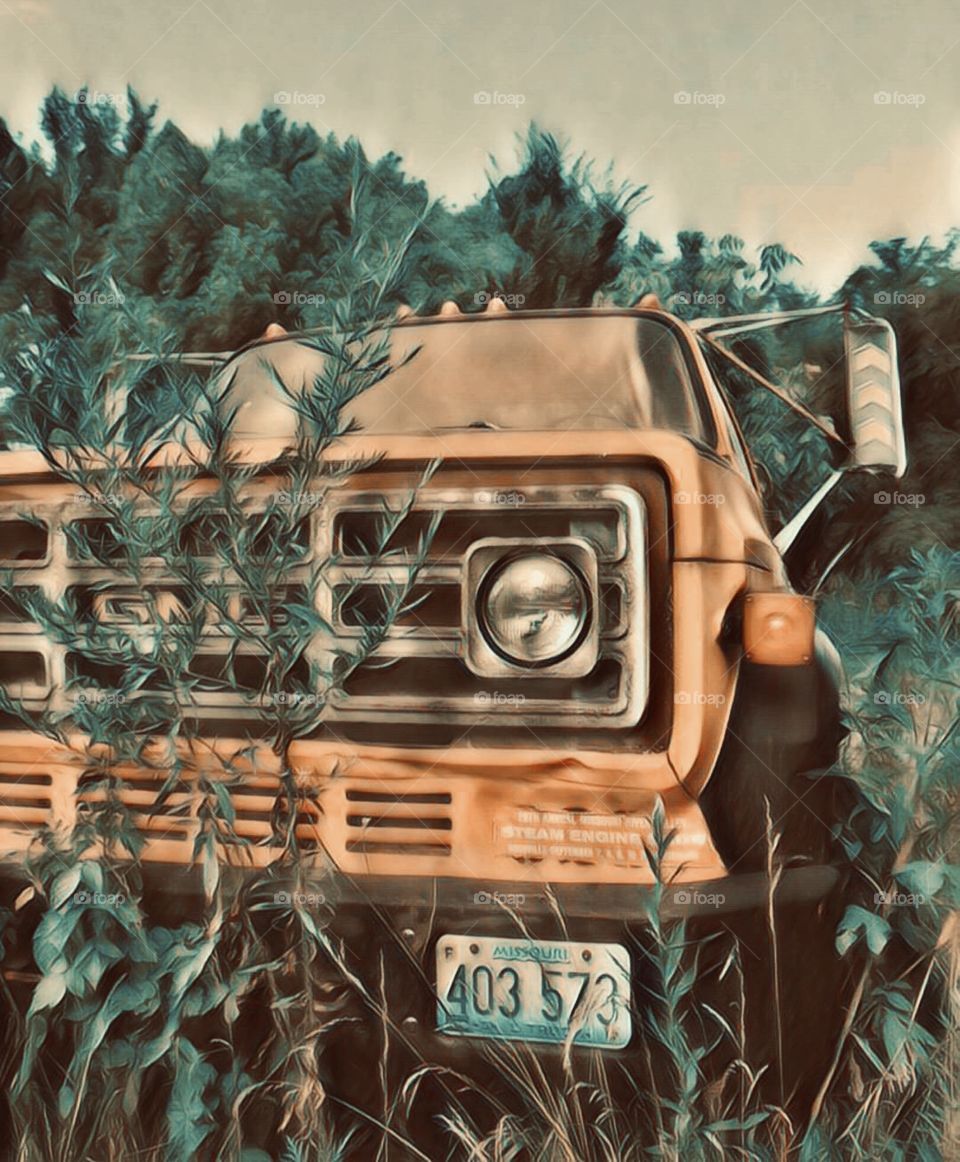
x: 534, y: 990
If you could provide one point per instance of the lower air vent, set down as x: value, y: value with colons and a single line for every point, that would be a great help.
x: 171, y: 820
x: 24, y: 799
x: 382, y: 823
x: 257, y: 812
x: 254, y: 800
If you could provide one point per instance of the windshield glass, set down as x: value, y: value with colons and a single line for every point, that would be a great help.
x: 520, y: 373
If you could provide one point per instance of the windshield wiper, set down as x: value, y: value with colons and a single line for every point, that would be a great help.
x: 484, y: 425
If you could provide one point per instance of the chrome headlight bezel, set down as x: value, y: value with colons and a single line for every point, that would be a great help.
x: 485, y: 562
x: 498, y: 576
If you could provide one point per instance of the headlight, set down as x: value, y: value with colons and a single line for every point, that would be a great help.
x: 534, y: 609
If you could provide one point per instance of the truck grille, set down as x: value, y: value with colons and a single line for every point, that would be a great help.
x: 374, y: 551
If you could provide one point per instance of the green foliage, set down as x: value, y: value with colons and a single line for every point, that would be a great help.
x: 122, y: 999
x: 207, y: 245
x: 899, y: 636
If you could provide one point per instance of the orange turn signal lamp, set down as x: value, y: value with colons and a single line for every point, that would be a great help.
x: 778, y: 629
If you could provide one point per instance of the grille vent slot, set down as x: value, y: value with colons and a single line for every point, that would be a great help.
x: 384, y: 823
x: 25, y: 799
x: 23, y: 542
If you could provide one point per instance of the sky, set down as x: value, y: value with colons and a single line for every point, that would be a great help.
x: 819, y: 125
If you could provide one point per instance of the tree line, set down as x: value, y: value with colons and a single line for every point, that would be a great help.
x: 205, y: 245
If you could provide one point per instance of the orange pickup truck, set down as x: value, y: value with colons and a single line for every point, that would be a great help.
x: 598, y: 621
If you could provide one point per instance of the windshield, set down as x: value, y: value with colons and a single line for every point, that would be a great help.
x: 519, y: 373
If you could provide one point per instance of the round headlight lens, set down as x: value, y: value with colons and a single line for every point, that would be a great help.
x: 534, y: 609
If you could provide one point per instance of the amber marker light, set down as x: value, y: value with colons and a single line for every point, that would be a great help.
x: 778, y: 629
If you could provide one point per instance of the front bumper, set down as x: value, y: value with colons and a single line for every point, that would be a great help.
x: 374, y: 986
x: 472, y: 901
x: 383, y: 934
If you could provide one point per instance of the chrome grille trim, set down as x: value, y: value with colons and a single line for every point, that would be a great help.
x: 625, y: 643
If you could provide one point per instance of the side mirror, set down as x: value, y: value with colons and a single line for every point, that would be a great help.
x: 871, y: 448
x: 873, y: 395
